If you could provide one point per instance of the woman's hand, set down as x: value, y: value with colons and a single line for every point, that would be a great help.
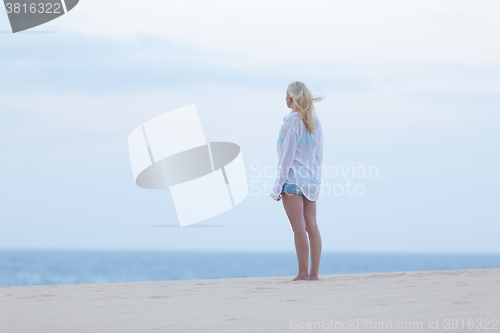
x: 279, y: 198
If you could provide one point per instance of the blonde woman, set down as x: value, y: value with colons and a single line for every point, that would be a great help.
x: 300, y: 154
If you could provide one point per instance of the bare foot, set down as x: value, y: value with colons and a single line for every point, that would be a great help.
x: 301, y: 277
x: 313, y: 277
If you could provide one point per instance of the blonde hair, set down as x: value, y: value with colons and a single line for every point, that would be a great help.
x: 303, y: 103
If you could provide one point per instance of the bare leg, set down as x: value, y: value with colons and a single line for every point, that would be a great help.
x: 314, y: 236
x: 293, y: 204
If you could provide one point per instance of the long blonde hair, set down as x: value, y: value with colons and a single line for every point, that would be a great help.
x: 303, y: 103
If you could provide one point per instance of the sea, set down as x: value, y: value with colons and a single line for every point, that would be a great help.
x: 58, y: 267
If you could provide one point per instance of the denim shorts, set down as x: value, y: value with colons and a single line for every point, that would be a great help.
x: 291, y: 188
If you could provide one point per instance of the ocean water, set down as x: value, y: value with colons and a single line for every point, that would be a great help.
x: 28, y: 268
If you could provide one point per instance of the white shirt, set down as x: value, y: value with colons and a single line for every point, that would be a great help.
x: 300, y: 155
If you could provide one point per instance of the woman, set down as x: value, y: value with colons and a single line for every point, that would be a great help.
x: 300, y: 154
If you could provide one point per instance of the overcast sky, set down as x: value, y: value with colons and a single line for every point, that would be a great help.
x: 411, y: 88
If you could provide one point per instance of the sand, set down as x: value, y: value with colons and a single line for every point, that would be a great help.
x: 413, y: 301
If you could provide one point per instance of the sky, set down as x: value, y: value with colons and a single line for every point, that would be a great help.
x: 411, y: 90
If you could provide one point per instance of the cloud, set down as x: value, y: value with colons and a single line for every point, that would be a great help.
x: 249, y: 34
x: 93, y: 72
x: 412, y: 87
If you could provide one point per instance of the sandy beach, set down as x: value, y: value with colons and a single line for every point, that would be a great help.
x: 429, y: 301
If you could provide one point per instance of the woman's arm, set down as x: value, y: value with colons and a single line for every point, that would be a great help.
x: 289, y: 148
x: 319, y: 152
